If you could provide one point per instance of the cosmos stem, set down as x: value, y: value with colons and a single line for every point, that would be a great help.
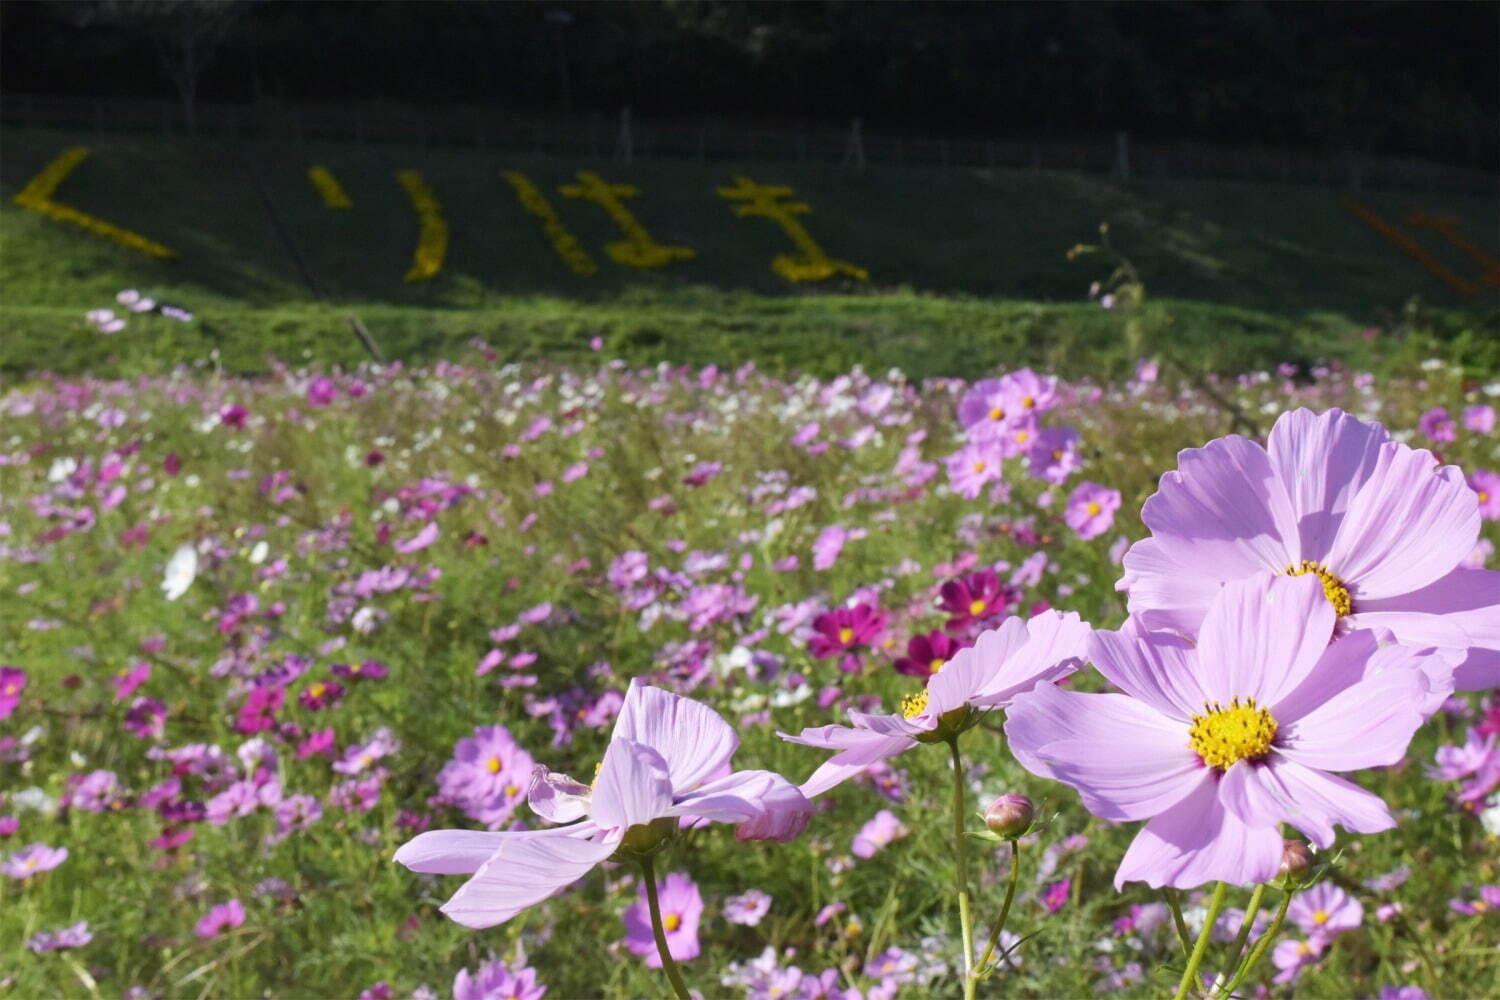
x: 1190, y: 973
x: 961, y: 853
x: 1261, y: 947
x: 1010, y: 895
x: 648, y: 870
x: 1170, y: 895
x: 1252, y: 910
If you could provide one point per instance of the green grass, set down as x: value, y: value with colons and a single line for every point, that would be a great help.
x: 968, y: 267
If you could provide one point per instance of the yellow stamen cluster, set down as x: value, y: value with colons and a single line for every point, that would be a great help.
x: 976, y: 606
x: 1028, y: 402
x: 1094, y: 509
x: 1231, y: 733
x: 1320, y: 917
x: 936, y: 664
x: 979, y: 466
x: 494, y: 765
x: 1333, y: 587
x: 846, y: 634
x: 997, y: 414
x: 671, y: 922
x: 914, y: 705
x: 318, y: 690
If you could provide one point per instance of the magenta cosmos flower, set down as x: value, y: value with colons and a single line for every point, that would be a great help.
x: 843, y: 630
x: 1218, y: 744
x: 681, y: 909
x: 1001, y: 664
x: 1382, y: 526
x: 12, y: 683
x: 668, y: 758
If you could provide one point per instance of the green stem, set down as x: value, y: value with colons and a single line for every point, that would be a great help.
x: 961, y: 852
x: 1251, y: 911
x: 1010, y: 895
x: 1261, y: 946
x: 1182, y: 935
x: 1190, y: 973
x: 648, y: 869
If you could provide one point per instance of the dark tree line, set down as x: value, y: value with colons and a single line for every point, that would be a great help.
x: 1413, y: 78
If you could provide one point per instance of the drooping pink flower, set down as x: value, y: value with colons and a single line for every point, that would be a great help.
x: 1325, y: 911
x: 883, y: 829
x: 681, y: 908
x: 1091, y: 509
x: 12, y: 682
x: 1382, y: 526
x: 1002, y: 663
x: 225, y: 916
x: 668, y: 757
x: 1230, y: 737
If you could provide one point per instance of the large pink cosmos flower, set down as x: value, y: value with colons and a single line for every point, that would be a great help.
x: 1002, y: 663
x: 668, y: 757
x: 1217, y: 745
x: 1382, y: 526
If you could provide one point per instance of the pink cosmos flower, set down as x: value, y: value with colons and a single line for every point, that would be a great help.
x: 974, y: 598
x: 12, y: 683
x: 843, y: 630
x: 748, y: 908
x: 883, y: 829
x: 973, y: 467
x: 75, y: 936
x: 497, y: 981
x: 225, y: 916
x: 1053, y: 455
x: 1487, y: 902
x: 1380, y: 524
x: 1325, y: 911
x: 488, y: 775
x: 321, y: 391
x: 681, y: 908
x: 33, y: 860
x: 926, y: 654
x: 1002, y: 663
x: 1437, y: 425
x: 320, y: 695
x: 1218, y: 744
x: 1486, y: 485
x: 1291, y: 957
x: 828, y: 545
x: 234, y: 416
x: 1479, y: 418
x: 127, y: 681
x: 1091, y: 509
x: 668, y: 757
x: 986, y: 409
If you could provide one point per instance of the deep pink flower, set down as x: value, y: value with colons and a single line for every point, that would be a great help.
x: 127, y: 681
x: 320, y: 695
x: 844, y: 630
x: 1002, y: 663
x: 975, y: 598
x: 321, y: 391
x: 258, y: 713
x: 1091, y: 509
x: 147, y: 719
x: 221, y: 918
x: 12, y: 682
x: 681, y: 907
x: 233, y: 416
x: 668, y: 757
x: 369, y: 670
x: 1381, y: 525
x: 1218, y: 743
x: 926, y: 654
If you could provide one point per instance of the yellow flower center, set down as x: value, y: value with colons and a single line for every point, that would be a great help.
x: 1303, y: 948
x: 671, y: 922
x: 493, y: 765
x: 1022, y: 437
x: 1333, y: 588
x: 976, y: 606
x: 354, y: 668
x: 846, y: 634
x: 511, y: 791
x: 1028, y: 402
x: 997, y: 414
x: 318, y: 690
x: 1484, y: 497
x: 1057, y: 455
x: 1094, y: 508
x: 1320, y: 917
x: 978, y: 466
x: 914, y: 705
x: 11, y: 689
x: 30, y: 863
x: 1231, y: 733
x: 936, y: 664
x: 1480, y: 906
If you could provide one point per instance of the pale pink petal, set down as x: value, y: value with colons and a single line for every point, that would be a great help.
x: 1461, y: 609
x: 858, y: 749
x: 1199, y: 841
x: 1263, y: 636
x: 1283, y: 791
x: 1343, y: 664
x: 1411, y: 524
x: 1158, y: 772
x: 965, y: 674
x: 1055, y: 645
x: 1479, y: 672
x: 1115, y: 725
x: 556, y: 797
x: 1368, y: 724
x: 888, y: 724
x: 740, y: 797
x: 1322, y: 459
x: 1159, y: 668
x: 693, y: 738
x: 633, y: 788
x: 524, y: 871
x: 1223, y: 510
x: 449, y: 852
x: 1163, y: 593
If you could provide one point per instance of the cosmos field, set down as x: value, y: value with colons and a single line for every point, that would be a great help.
x: 258, y: 634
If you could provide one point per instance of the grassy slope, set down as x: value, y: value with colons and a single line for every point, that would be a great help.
x: 967, y: 265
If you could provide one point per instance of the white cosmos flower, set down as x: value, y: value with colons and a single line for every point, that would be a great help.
x: 181, y: 572
x: 259, y: 552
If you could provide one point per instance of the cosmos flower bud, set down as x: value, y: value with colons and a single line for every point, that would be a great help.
x: 1295, y: 858
x: 1009, y: 816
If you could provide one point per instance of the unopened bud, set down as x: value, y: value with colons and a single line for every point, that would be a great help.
x: 1009, y: 816
x: 1295, y: 857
